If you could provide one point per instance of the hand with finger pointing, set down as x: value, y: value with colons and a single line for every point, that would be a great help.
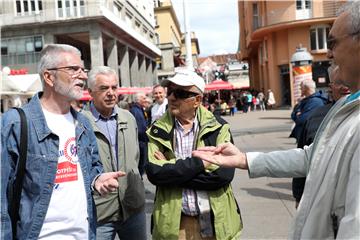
x: 108, y: 182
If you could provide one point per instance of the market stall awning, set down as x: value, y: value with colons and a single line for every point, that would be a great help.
x: 218, y: 84
x: 240, y: 84
x: 121, y: 90
x: 26, y: 84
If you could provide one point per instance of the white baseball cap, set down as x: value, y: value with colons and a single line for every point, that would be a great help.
x: 185, y: 77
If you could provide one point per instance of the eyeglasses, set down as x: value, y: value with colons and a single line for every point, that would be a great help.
x: 332, y: 41
x: 72, y: 70
x: 181, y: 94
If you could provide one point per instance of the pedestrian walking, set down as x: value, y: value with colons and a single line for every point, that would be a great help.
x: 122, y: 212
x: 270, y: 99
x: 62, y: 170
x: 329, y: 207
x: 261, y: 98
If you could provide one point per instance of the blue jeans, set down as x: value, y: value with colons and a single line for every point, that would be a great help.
x: 133, y: 228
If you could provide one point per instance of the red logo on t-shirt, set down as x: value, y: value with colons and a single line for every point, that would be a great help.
x: 70, y: 151
x: 66, y: 172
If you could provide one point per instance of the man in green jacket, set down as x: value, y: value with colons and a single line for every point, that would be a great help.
x: 122, y: 211
x: 193, y: 200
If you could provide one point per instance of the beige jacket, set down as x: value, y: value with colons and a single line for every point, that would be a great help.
x: 331, y: 165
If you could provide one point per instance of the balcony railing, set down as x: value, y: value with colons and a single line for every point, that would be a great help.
x: 327, y: 9
x: 51, y: 13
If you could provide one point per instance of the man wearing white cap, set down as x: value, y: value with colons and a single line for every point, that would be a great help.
x: 193, y: 199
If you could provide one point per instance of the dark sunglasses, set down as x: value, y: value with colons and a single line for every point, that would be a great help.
x: 180, y: 93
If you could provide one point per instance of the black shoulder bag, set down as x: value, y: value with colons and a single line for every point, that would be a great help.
x: 18, y: 182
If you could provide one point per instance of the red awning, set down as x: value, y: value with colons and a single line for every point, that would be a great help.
x: 121, y: 90
x: 219, y: 84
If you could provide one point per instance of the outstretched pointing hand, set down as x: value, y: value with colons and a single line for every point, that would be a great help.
x: 226, y: 155
x: 108, y: 182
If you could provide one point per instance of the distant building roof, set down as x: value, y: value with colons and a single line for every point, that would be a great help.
x: 221, y: 59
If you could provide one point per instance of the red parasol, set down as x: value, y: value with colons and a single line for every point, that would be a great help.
x: 219, y: 84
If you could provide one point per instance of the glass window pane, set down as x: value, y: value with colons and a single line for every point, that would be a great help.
x: 12, y: 46
x: 20, y: 45
x: 321, y: 38
x: 298, y: 4
x: 59, y: 4
x: 29, y: 45
x: 307, y: 4
x: 40, y: 5
x: 18, y: 7
x: 32, y: 5
x: 313, y: 39
x: 38, y: 44
x: 26, y: 7
x: 4, y: 48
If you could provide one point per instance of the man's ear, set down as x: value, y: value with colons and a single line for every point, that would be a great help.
x: 90, y: 92
x: 48, y: 78
x: 198, y: 101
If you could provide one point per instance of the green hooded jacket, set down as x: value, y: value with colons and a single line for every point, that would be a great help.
x: 171, y: 176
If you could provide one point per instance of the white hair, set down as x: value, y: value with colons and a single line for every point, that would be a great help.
x: 310, y: 84
x: 138, y: 96
x: 49, y: 57
x: 103, y: 70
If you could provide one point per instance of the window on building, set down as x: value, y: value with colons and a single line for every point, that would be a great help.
x: 303, y: 4
x: 24, y: 9
x: 70, y: 8
x: 318, y: 37
x: 4, y: 48
x: 117, y: 9
x: 21, y: 45
x: 256, y: 20
x: 128, y: 18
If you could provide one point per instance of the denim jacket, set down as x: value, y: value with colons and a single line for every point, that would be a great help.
x: 41, y: 166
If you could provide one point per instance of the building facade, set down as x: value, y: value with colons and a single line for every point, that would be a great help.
x: 171, y: 40
x: 116, y: 33
x: 270, y: 32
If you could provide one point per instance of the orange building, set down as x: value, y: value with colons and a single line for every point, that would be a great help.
x: 270, y: 32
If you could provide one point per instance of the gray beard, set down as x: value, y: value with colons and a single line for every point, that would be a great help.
x: 67, y: 91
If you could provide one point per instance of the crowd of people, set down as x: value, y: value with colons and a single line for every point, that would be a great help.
x: 83, y: 175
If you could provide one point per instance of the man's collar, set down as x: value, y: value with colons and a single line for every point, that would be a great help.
x: 179, y: 125
x: 98, y: 116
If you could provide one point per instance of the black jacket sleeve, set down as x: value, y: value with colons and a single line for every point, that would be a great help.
x: 170, y: 175
x: 211, y: 180
x: 189, y: 173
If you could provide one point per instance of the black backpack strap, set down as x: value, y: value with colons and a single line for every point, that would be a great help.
x: 18, y: 182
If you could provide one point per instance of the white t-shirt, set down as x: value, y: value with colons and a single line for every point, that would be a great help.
x: 158, y: 110
x: 67, y: 216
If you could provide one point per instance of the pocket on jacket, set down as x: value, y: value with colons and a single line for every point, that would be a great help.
x: 134, y: 196
x: 37, y: 167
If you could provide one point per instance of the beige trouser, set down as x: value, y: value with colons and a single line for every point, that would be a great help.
x: 190, y: 229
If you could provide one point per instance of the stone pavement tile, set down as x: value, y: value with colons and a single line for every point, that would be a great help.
x: 267, y: 227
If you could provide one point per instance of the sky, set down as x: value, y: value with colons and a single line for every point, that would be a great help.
x: 215, y: 23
